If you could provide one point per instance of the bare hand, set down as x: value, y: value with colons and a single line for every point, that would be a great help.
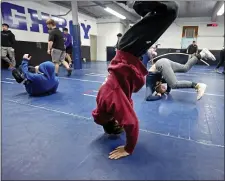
x: 159, y: 94
x: 119, y: 152
x: 26, y: 57
x: 49, y: 52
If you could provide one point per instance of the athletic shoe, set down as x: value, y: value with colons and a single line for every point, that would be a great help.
x: 205, y: 53
x: 69, y: 72
x: 200, y: 88
x: 18, y: 75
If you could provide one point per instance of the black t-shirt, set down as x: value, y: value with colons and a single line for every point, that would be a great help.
x: 192, y: 49
x: 56, y: 36
x: 7, y: 38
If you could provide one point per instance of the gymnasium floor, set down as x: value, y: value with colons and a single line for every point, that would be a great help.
x: 54, y: 137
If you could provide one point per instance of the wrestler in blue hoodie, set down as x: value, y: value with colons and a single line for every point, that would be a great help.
x: 42, y: 82
x: 151, y: 84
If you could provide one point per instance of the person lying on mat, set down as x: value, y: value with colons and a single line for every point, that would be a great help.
x: 39, y: 80
x: 167, y: 68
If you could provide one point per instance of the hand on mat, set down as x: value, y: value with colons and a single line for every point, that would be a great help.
x: 159, y: 94
x: 119, y: 152
x: 49, y: 52
x: 26, y: 57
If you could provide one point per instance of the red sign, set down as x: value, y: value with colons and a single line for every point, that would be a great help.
x: 212, y: 25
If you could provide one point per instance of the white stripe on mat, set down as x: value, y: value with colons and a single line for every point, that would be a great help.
x: 9, y: 79
x: 174, y: 90
x: 7, y: 82
x: 171, y: 136
x: 82, y: 80
x: 143, y: 130
x: 208, y: 94
x: 48, y: 109
x: 90, y: 95
x: 95, y: 75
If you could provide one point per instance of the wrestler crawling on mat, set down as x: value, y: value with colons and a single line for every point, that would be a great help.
x: 39, y: 80
x: 166, y: 68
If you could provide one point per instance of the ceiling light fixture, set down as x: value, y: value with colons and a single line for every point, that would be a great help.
x: 111, y: 11
x: 221, y: 11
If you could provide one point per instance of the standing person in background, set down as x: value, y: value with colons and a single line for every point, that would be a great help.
x: 7, y: 43
x: 68, y: 44
x: 222, y: 60
x: 56, y: 47
x: 192, y: 49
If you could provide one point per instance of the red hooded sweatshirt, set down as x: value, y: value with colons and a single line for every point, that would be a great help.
x: 126, y: 75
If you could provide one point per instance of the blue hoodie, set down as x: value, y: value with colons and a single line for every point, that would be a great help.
x: 41, y: 83
x: 151, y: 80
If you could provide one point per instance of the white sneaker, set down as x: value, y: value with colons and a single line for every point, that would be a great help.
x: 200, y: 88
x: 205, y: 53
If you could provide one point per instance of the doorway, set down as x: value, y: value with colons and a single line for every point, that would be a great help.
x: 93, y: 47
x: 189, y: 34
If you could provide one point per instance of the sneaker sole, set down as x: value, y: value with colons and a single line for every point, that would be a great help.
x: 211, y: 56
x: 198, y: 98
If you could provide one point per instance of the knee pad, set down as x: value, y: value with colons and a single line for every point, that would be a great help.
x: 18, y: 75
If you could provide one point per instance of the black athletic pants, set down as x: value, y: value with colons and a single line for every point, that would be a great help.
x: 157, y: 17
x: 222, y: 59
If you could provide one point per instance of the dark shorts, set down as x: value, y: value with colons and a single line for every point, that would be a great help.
x: 69, y: 50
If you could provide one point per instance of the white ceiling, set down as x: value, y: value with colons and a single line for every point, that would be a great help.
x: 196, y: 8
x: 201, y: 8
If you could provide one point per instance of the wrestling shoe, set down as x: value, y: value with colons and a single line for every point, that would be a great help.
x: 18, y: 75
x: 200, y: 88
x: 206, y: 54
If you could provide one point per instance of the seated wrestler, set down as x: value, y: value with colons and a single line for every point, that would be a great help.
x: 39, y: 80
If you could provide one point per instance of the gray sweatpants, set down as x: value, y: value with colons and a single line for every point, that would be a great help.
x: 168, y: 69
x: 8, y: 51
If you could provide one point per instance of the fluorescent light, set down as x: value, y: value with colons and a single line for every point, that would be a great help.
x: 221, y: 11
x: 114, y: 13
